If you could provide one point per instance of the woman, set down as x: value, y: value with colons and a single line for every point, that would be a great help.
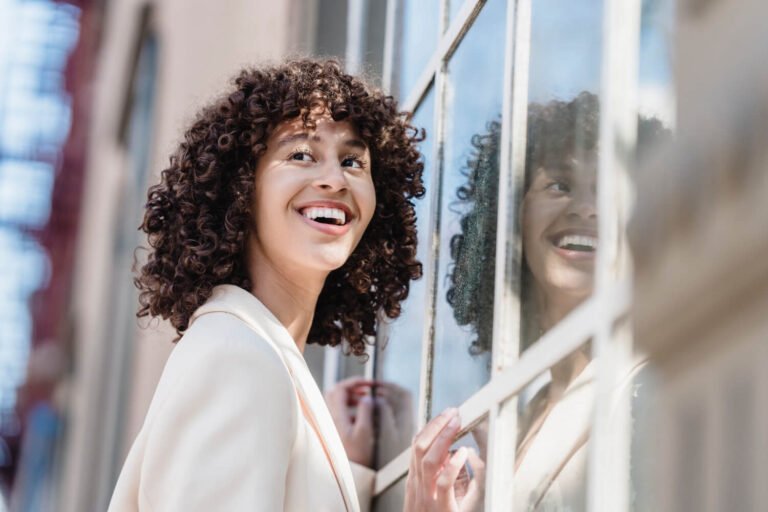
x: 560, y: 239
x: 284, y: 218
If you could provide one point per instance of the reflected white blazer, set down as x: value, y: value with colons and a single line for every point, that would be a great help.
x: 226, y: 431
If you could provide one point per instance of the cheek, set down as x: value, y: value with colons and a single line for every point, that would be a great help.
x: 532, y: 217
x: 367, y: 201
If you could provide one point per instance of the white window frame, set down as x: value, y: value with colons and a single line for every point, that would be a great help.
x: 603, y: 317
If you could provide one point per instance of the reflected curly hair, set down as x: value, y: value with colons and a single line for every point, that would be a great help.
x: 473, y: 249
x: 556, y: 131
x: 197, y: 218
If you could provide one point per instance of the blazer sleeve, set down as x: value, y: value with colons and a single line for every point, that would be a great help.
x: 222, y: 437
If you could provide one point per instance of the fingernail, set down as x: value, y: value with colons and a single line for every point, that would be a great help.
x: 455, y: 422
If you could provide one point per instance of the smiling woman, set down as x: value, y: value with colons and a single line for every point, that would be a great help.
x: 285, y: 218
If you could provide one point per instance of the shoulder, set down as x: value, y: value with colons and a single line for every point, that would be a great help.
x: 220, y: 355
x: 221, y: 336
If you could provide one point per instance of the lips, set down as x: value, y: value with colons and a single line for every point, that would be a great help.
x: 575, y: 244
x: 328, y: 217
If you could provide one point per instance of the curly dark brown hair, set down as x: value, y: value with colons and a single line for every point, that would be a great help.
x: 197, y: 218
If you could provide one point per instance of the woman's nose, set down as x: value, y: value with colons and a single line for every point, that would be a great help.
x: 583, y: 204
x: 331, y: 177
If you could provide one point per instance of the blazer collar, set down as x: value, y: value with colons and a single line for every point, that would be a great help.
x: 239, y: 302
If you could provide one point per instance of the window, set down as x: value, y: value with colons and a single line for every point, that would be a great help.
x: 536, y: 113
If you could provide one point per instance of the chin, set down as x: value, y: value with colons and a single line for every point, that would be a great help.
x: 328, y: 260
x: 578, y: 288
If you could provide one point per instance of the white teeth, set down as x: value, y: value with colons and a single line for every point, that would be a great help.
x: 586, y: 241
x: 315, y: 212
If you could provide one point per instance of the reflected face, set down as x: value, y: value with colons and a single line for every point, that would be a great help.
x: 560, y: 227
x: 313, y: 195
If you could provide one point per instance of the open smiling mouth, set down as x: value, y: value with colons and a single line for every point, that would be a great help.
x: 577, y: 243
x: 324, y: 215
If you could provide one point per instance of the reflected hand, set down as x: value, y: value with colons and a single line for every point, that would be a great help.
x: 355, y: 428
x: 434, y: 483
x: 395, y: 419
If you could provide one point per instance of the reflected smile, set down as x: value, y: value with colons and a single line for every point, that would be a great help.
x: 581, y: 243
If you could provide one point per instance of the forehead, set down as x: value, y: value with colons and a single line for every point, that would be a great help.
x: 583, y: 166
x: 318, y: 127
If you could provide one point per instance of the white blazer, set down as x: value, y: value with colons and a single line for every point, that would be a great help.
x: 225, y: 430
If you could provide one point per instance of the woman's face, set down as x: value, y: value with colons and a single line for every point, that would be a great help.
x: 313, y: 195
x: 560, y: 227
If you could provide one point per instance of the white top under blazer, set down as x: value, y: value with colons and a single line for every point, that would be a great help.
x: 227, y: 431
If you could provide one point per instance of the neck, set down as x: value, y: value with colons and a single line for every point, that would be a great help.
x: 552, y: 308
x: 565, y: 372
x: 290, y: 295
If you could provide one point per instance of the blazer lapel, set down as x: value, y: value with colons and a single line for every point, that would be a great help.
x: 234, y: 300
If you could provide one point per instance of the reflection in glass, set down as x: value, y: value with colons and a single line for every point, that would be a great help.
x: 555, y: 413
x: 656, y: 87
x: 415, y: 41
x: 558, y: 215
x: 398, y: 357
x: 559, y: 211
x: 566, y: 51
x: 466, y: 261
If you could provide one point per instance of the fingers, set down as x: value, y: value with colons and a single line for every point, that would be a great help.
x: 477, y: 464
x: 437, y: 452
x: 475, y: 492
x: 424, y: 439
x: 431, y: 447
x: 346, y: 393
x: 386, y: 417
x: 364, y: 417
x: 444, y: 488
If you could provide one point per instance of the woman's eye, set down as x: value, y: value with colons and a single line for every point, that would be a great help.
x: 559, y: 186
x: 352, y: 162
x: 301, y: 156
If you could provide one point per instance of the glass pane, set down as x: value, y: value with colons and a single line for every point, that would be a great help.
x: 415, y: 42
x: 465, y: 279
x: 453, y: 8
x: 398, y: 359
x: 554, y: 422
x: 656, y: 84
x: 655, y: 72
x: 375, y: 28
x: 559, y: 210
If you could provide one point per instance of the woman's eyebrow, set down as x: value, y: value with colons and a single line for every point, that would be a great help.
x: 356, y: 144
x: 293, y: 138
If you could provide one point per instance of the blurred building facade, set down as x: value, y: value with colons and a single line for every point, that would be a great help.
x: 461, y: 67
x: 147, y: 67
x: 701, y: 300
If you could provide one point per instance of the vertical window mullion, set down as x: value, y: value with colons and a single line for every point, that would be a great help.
x: 355, y: 50
x: 612, y: 345
x: 502, y: 440
x: 428, y: 337
x: 390, y: 33
x: 431, y: 267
